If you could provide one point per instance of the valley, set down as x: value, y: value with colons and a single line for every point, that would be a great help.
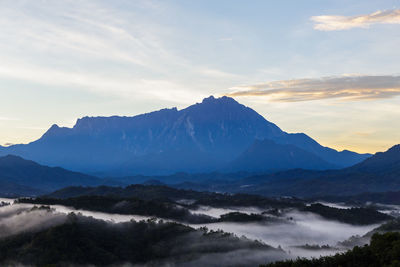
x: 223, y: 200
x: 286, y: 230
x: 170, y: 133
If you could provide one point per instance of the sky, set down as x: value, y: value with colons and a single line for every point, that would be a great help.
x: 327, y: 68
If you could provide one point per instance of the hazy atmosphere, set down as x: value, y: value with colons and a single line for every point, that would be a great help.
x: 200, y: 133
x: 67, y: 59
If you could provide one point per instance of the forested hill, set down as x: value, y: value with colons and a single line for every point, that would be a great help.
x: 384, y: 250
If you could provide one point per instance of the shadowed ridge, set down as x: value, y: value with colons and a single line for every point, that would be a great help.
x: 383, y: 162
x: 16, y: 161
x: 27, y: 173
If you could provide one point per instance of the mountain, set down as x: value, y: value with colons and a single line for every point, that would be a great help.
x: 388, y: 198
x: 24, y: 177
x: 382, y: 162
x: 145, y: 192
x: 200, y: 138
x: 382, y: 250
x: 177, y: 178
x: 265, y: 155
x: 11, y: 190
x: 379, y: 173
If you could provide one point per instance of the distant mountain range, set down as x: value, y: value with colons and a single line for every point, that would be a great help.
x: 20, y: 177
x: 266, y: 155
x: 11, y: 190
x: 379, y: 173
x: 364, y: 181
x: 216, y: 134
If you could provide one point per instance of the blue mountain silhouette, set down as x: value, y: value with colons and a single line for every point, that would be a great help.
x: 203, y: 137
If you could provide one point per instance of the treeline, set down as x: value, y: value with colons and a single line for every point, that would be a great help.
x: 86, y: 241
x: 164, y: 202
x: 152, y: 208
x: 359, y: 216
x: 165, y: 193
x: 389, y: 197
x: 2, y: 204
x: 384, y: 250
x: 129, y: 206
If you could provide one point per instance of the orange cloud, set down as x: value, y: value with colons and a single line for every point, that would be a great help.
x: 346, y: 88
x: 334, y: 23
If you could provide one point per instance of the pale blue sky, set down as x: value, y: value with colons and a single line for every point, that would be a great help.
x: 61, y: 60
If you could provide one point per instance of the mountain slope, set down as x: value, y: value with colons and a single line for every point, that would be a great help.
x: 379, y: 173
x: 11, y: 190
x: 200, y: 138
x: 341, y: 159
x: 25, y: 176
x: 266, y: 155
x: 383, y: 250
x: 381, y: 162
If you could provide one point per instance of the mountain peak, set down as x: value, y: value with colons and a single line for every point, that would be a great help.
x: 224, y: 99
x: 393, y: 152
x: 394, y: 149
x: 51, y: 130
x: 202, y: 137
x: 54, y: 130
x: 208, y: 99
x: 54, y: 127
x: 223, y: 108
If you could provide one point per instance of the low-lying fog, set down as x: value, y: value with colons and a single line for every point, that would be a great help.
x: 216, y: 212
x: 6, y: 200
x: 303, y: 228
x: 116, y: 218
x: 334, y: 205
x: 19, y: 218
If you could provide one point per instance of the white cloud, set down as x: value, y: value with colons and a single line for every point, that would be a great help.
x: 127, y: 87
x: 94, y: 46
x: 8, y: 119
x: 217, y: 73
x: 334, y: 23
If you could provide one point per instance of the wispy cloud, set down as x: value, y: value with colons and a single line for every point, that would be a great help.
x: 216, y: 73
x: 113, y: 85
x: 335, y: 23
x: 8, y: 119
x: 341, y: 87
x: 363, y: 134
x: 97, y: 47
x: 226, y: 39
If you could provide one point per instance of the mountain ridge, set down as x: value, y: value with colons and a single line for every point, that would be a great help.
x: 205, y: 137
x: 371, y: 175
x: 28, y: 177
